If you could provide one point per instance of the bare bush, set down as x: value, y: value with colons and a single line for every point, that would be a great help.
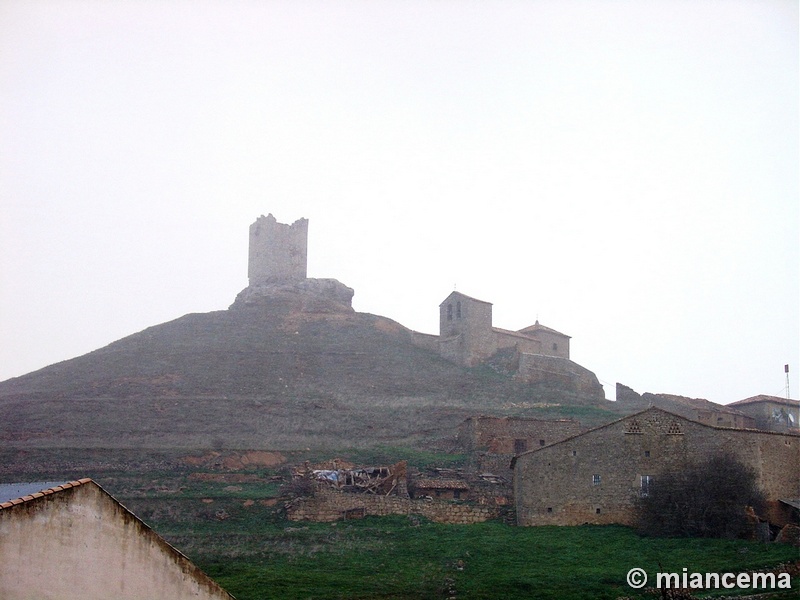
x: 705, y: 499
x: 299, y: 487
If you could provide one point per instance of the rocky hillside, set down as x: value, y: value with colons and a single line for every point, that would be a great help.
x: 291, y: 370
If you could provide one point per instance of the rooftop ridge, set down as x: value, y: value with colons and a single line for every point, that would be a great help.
x: 40, y: 494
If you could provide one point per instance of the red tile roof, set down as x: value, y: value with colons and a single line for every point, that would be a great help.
x: 765, y: 398
x: 47, y: 492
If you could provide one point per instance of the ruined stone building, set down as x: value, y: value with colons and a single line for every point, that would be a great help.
x: 278, y: 253
x: 496, y: 440
x: 277, y: 270
x: 771, y: 412
x: 596, y: 477
x: 76, y: 541
x: 513, y: 435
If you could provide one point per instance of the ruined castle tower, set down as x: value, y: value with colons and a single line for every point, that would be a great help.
x: 278, y: 251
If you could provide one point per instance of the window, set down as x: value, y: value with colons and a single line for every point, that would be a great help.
x: 555, y: 347
x: 520, y: 446
x: 595, y: 479
x: 597, y: 511
x: 549, y: 509
x: 541, y: 442
x: 449, y: 312
x: 458, y: 309
x: 647, y: 453
x: 456, y: 494
x: 574, y: 453
x: 647, y: 481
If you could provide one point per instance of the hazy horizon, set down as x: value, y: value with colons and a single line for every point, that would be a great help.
x: 626, y: 172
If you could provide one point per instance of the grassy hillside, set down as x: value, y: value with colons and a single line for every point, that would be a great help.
x: 264, y: 378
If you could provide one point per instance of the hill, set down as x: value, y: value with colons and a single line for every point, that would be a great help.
x: 287, y: 372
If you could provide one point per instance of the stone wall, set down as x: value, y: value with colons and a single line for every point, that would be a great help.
x: 596, y: 477
x: 278, y: 252
x: 502, y: 435
x: 504, y: 339
x: 465, y: 329
x: 558, y: 372
x: 328, y: 505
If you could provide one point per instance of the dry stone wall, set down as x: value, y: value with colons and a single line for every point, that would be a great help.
x: 328, y: 505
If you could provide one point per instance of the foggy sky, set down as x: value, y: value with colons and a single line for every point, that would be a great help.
x: 626, y: 172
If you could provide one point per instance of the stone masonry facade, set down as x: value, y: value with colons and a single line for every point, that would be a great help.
x: 596, y: 477
x: 536, y: 354
x: 513, y: 435
x: 278, y: 252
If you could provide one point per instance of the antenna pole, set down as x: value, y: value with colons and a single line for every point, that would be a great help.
x: 786, y: 370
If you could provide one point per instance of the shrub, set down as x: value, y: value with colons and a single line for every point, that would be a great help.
x: 299, y: 487
x: 706, y: 499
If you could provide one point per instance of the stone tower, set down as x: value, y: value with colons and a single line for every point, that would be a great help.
x: 278, y: 252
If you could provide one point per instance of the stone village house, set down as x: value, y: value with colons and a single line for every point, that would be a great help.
x: 771, y: 412
x: 76, y: 541
x: 596, y: 477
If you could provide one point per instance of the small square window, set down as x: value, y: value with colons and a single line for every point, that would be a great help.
x: 597, y: 511
x: 574, y: 453
x: 595, y: 479
x: 549, y: 509
x: 647, y: 453
x: 541, y: 442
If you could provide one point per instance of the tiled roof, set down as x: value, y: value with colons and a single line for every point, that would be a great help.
x: 513, y: 333
x: 42, y: 492
x: 539, y: 327
x: 465, y: 296
x: 698, y: 403
x: 764, y: 398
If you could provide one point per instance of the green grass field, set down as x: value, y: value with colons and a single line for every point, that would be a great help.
x: 402, y: 558
x: 234, y: 530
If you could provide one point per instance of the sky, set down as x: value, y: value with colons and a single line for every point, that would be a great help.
x: 625, y: 172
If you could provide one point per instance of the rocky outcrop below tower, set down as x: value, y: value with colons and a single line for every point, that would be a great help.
x: 308, y: 295
x: 277, y: 272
